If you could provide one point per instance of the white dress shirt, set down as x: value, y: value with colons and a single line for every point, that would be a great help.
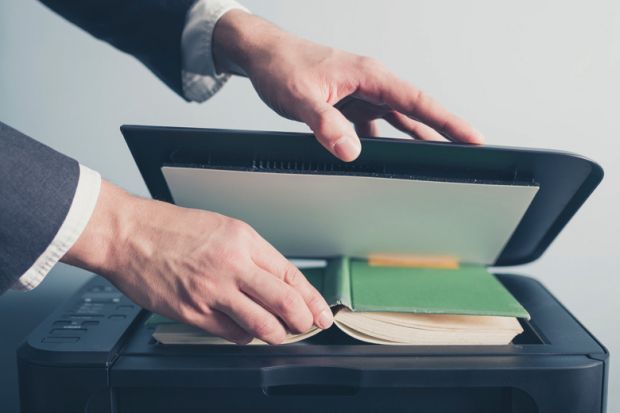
x: 200, y: 81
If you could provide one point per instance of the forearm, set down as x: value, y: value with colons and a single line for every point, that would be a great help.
x: 46, y: 199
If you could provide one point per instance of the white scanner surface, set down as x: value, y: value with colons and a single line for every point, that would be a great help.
x: 311, y: 215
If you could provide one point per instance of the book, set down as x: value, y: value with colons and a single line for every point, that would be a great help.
x: 392, y: 305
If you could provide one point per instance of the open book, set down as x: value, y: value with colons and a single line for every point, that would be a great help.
x: 396, y: 305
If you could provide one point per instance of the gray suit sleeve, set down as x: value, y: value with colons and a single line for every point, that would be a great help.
x: 150, y: 30
x: 37, y: 185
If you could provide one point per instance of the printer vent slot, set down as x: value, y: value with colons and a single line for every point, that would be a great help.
x: 331, y: 166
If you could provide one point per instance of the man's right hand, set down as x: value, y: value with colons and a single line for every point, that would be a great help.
x: 329, y: 89
x: 197, y: 267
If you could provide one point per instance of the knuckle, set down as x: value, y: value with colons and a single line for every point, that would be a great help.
x: 225, y: 300
x: 291, y: 275
x: 262, y: 326
x: 303, y: 324
x: 247, y: 280
x: 370, y: 64
x: 233, y: 249
x: 268, y: 330
x: 323, y: 124
x: 239, y: 228
x: 445, y: 125
x: 419, y: 98
x: 316, y: 301
x: 293, y: 311
x: 288, y: 303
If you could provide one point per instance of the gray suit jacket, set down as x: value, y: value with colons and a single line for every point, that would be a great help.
x: 36, y: 189
x: 37, y: 184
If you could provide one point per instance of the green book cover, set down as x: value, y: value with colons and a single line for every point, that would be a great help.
x: 467, y: 290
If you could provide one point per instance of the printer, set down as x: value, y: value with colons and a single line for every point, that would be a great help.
x: 96, y: 353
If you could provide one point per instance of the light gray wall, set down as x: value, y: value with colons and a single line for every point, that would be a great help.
x: 529, y: 73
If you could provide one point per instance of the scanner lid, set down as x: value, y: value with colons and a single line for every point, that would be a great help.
x: 478, y: 204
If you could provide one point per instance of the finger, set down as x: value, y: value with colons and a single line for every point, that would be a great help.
x: 332, y: 130
x: 272, y: 261
x: 381, y: 85
x: 362, y: 114
x: 413, y: 127
x: 219, y: 324
x: 279, y: 298
x: 366, y: 128
x: 252, y: 317
x: 322, y: 313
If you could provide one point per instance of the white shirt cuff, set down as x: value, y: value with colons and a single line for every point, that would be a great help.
x: 199, y: 75
x: 80, y: 211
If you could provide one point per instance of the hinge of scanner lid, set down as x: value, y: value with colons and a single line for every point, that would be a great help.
x: 413, y: 261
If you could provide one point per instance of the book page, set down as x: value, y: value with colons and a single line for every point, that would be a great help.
x: 427, y: 329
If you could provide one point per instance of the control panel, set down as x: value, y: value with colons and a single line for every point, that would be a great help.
x: 92, y: 320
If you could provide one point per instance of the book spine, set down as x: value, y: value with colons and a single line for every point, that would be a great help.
x: 337, y: 282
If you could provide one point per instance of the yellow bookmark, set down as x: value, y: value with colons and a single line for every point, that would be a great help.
x: 413, y: 261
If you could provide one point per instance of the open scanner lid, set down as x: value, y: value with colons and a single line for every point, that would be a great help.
x: 484, y: 204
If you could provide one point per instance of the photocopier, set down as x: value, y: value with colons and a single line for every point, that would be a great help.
x: 96, y: 354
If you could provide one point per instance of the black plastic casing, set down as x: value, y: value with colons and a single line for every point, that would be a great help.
x: 565, y: 180
x: 114, y: 365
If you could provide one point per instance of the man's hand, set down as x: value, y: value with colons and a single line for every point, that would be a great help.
x: 328, y: 89
x: 197, y: 267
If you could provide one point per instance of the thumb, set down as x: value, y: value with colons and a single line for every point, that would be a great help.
x: 333, y: 130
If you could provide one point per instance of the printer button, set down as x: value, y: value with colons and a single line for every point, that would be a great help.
x: 104, y: 297
x: 125, y: 307
x: 90, y: 323
x: 60, y: 340
x: 76, y: 316
x: 60, y: 323
x: 67, y: 332
x: 117, y: 316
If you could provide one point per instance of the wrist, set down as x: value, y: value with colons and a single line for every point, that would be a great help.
x: 99, y: 247
x: 242, y: 40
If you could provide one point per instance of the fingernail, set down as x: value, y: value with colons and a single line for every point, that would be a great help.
x: 347, y: 148
x: 325, y: 319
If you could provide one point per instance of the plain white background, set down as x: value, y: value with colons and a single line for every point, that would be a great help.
x: 530, y: 73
